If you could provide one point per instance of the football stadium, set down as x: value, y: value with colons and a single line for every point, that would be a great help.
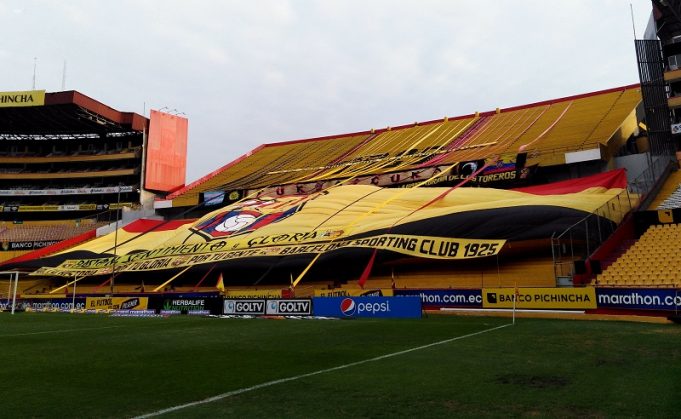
x: 520, y: 261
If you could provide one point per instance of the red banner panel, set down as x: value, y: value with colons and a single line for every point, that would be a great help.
x: 166, y: 165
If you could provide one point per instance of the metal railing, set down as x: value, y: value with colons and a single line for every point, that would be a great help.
x: 579, y: 240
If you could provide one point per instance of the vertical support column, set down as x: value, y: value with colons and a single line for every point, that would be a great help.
x: 14, y: 294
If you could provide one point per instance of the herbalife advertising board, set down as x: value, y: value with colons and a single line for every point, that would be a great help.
x: 185, y: 304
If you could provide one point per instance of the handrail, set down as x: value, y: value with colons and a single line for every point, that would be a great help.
x: 652, y: 172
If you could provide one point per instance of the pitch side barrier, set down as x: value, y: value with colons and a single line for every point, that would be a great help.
x: 590, y: 299
x: 340, y: 307
x: 655, y: 299
x: 167, y: 304
x: 267, y: 307
x: 373, y: 303
x: 381, y: 307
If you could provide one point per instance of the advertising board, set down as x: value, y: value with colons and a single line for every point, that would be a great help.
x: 291, y: 307
x: 243, y: 307
x: 639, y: 298
x: 383, y: 307
x: 540, y: 298
x: 434, y: 298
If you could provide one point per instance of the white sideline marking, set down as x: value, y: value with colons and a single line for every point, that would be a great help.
x: 510, y: 310
x: 309, y: 374
x: 58, y: 331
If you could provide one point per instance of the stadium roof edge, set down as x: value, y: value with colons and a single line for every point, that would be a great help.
x: 210, y: 175
x: 567, y: 98
x: 454, y: 118
x: 136, y: 121
x: 216, y: 172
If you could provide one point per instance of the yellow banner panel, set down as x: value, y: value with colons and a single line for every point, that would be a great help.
x: 36, y: 208
x: 540, y: 298
x: 116, y: 303
x: 419, y: 246
x: 253, y: 293
x: 382, y: 292
x: 22, y: 98
x: 344, y: 212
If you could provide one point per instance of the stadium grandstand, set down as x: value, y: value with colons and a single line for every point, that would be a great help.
x: 410, y: 181
x: 573, y: 193
x: 70, y: 165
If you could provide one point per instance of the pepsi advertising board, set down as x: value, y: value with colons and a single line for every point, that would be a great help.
x: 639, y: 298
x: 468, y: 298
x: 352, y: 307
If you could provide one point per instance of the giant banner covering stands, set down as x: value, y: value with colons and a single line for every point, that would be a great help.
x: 190, y: 255
x: 540, y: 298
x: 384, y: 307
x: 463, y: 223
x: 504, y: 170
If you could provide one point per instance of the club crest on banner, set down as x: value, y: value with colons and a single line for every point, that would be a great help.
x: 247, y: 216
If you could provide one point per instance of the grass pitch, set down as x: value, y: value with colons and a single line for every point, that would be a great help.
x: 60, y: 365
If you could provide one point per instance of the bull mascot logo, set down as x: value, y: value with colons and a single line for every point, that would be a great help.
x: 248, y: 216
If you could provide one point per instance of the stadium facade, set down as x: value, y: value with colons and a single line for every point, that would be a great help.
x: 70, y: 164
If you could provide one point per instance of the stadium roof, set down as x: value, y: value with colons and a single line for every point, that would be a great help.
x: 546, y: 130
x: 68, y: 114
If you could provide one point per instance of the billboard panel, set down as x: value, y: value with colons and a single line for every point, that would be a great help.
x: 116, y: 303
x: 540, y: 298
x: 290, y: 307
x: 666, y: 299
x: 22, y: 98
x: 244, y: 307
x: 166, y: 152
x: 438, y: 298
x: 383, y: 307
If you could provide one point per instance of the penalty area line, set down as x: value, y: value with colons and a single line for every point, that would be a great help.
x: 311, y: 374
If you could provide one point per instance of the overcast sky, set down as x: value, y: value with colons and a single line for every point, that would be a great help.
x: 251, y: 72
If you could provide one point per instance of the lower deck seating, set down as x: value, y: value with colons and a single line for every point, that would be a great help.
x: 534, y: 272
x: 669, y: 195
x: 653, y: 261
x: 44, y: 232
x: 25, y: 287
